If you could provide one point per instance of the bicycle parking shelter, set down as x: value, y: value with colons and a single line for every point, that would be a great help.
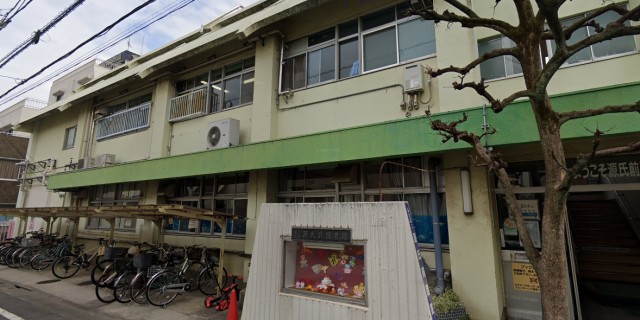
x: 156, y: 213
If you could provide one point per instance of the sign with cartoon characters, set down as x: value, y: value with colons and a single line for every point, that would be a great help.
x: 338, y: 272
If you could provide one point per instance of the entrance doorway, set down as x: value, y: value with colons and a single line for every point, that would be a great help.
x: 604, y: 227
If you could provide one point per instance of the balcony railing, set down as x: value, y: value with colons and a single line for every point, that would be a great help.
x: 124, y: 121
x: 188, y: 105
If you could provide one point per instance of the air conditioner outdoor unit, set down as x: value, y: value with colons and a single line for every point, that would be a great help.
x: 223, y: 133
x: 85, y: 163
x: 103, y: 160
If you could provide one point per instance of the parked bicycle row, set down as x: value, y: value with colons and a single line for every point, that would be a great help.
x: 143, y: 273
x: 157, y: 275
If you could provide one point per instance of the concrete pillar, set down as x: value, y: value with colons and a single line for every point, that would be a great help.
x: 474, y: 243
x: 264, y: 111
x: 161, y: 138
x: 262, y: 189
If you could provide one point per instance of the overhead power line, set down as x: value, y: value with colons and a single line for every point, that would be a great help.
x: 35, y: 38
x: 177, y: 5
x: 97, y: 35
x: 20, y: 5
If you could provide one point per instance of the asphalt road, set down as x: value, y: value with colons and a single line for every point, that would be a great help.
x: 17, y: 303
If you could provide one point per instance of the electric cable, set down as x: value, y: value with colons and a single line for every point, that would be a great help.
x: 108, y: 44
x: 8, y: 77
x: 97, y: 35
x: 35, y: 38
x: 7, y: 19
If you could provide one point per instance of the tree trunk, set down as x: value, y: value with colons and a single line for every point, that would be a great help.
x: 552, y: 266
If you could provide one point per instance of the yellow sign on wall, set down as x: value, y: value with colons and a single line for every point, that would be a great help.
x: 524, y: 277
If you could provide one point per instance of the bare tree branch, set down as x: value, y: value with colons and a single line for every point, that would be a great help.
x: 466, y: 10
x: 464, y: 70
x: 496, y: 165
x: 611, y: 151
x: 496, y: 105
x: 587, y: 20
x: 470, y: 22
x: 572, y: 115
x: 582, y: 161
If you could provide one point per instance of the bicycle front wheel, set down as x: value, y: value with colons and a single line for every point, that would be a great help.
x: 99, y: 269
x: 65, y: 267
x: 41, y: 261
x: 27, y: 255
x: 105, y: 294
x: 158, y: 293
x: 208, y: 280
x: 138, y: 288
x: 122, y: 287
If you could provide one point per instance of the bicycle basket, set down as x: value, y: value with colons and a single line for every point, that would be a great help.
x: 115, y: 252
x: 120, y: 263
x: 194, y: 253
x: 30, y: 242
x: 145, y: 260
x: 154, y: 269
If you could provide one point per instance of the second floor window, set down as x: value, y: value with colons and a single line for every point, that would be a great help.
x: 498, y: 67
x: 69, y: 137
x: 214, y: 91
x: 375, y: 41
x: 506, y: 66
x: 600, y: 50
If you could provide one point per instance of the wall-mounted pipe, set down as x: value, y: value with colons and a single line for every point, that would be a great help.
x: 435, y: 215
x: 349, y: 95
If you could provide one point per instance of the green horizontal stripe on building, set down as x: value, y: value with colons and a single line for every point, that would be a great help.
x: 514, y: 125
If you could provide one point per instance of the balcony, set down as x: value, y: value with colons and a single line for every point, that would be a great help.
x: 124, y: 121
x: 188, y: 105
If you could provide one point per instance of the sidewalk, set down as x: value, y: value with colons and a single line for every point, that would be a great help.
x: 79, y: 290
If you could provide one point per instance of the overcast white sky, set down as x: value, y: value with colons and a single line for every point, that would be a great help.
x: 88, y: 19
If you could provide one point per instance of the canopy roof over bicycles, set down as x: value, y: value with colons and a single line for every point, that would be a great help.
x: 156, y: 213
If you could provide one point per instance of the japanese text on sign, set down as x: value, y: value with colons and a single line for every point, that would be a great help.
x: 524, y: 277
x: 314, y: 234
x: 611, y: 170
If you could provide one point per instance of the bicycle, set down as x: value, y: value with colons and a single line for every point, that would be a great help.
x: 165, y: 286
x: 139, y: 264
x: 67, y: 266
x: 138, y: 285
x: 222, y: 302
x: 44, y: 259
x: 208, y: 276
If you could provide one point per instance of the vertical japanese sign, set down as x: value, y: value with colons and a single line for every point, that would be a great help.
x: 524, y: 277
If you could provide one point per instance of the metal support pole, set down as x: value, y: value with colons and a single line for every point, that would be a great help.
x: 223, y: 236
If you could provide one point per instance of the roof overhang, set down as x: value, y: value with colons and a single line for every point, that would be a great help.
x: 149, y: 212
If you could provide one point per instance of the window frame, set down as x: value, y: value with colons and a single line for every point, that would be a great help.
x: 65, y: 144
x: 198, y: 200
x: 293, y: 186
x: 98, y: 198
x: 503, y: 58
x: 337, y: 41
x: 593, y: 57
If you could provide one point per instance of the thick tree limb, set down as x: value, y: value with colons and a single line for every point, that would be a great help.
x: 611, y: 151
x: 572, y: 115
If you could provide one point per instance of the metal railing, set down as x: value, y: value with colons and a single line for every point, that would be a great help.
x: 124, y: 121
x: 188, y: 105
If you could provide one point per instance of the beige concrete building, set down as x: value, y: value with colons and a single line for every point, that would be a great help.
x: 323, y: 101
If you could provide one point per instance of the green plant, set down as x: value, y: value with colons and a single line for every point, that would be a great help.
x: 448, y: 303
